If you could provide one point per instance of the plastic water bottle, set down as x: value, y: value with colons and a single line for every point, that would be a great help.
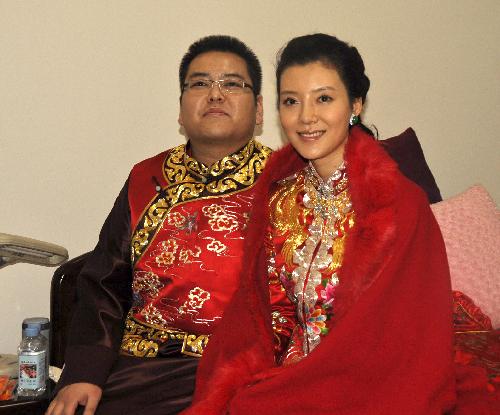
x: 44, y: 324
x: 32, y: 354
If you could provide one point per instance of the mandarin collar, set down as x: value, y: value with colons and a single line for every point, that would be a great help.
x: 222, y: 167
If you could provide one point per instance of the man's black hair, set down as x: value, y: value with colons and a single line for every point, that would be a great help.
x: 222, y: 43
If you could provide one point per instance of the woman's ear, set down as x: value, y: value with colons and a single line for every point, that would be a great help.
x: 357, y: 106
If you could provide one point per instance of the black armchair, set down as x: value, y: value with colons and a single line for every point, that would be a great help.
x: 62, y: 304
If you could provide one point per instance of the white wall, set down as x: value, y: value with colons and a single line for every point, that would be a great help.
x: 87, y: 88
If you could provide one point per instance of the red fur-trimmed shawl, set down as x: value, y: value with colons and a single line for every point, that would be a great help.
x: 389, y: 349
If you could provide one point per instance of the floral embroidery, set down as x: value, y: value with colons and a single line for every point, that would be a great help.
x: 190, y: 225
x: 328, y: 293
x: 197, y: 296
x: 187, y: 223
x: 216, y: 246
x: 153, y: 316
x: 224, y: 223
x: 213, y: 210
x: 220, y: 219
x: 316, y: 322
x: 147, y: 283
x: 166, y: 257
x: 176, y: 219
x: 187, y: 255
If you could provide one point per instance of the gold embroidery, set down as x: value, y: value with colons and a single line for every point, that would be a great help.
x: 150, y: 222
x: 197, y: 297
x: 286, y: 216
x: 213, y: 210
x: 141, y: 340
x: 216, y: 246
x: 220, y: 219
x: 337, y: 253
x: 188, y: 180
x: 187, y: 255
x: 168, y: 249
x: 138, y: 347
x: 194, y: 345
x: 176, y: 219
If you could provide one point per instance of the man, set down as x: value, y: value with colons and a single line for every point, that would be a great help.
x: 169, y: 254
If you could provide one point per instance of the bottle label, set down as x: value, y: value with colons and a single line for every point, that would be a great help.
x: 32, y: 370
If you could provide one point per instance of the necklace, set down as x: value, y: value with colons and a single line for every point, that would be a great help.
x: 327, y: 197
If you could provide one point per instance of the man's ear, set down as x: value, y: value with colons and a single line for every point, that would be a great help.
x: 259, y: 114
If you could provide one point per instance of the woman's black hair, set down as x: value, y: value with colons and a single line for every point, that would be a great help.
x: 331, y: 52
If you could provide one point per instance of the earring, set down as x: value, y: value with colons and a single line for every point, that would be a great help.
x: 354, y: 119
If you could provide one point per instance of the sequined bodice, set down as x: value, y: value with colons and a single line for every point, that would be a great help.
x: 310, y: 218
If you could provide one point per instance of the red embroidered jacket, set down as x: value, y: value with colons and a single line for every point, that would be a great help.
x: 167, y: 261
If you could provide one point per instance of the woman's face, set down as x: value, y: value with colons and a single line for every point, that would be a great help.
x: 314, y: 112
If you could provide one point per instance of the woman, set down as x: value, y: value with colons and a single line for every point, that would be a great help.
x: 358, y: 319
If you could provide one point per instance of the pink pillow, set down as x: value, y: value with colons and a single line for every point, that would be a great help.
x: 470, y: 224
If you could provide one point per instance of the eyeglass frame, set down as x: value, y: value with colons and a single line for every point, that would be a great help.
x: 245, y: 84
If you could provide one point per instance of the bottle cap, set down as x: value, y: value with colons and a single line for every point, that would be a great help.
x: 32, y: 331
x: 42, y: 322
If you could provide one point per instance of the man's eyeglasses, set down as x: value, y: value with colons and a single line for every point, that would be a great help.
x: 227, y: 86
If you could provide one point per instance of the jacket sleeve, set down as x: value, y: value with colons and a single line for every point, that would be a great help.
x: 104, y: 298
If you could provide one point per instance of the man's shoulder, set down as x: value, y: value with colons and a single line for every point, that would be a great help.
x: 158, y: 159
x: 262, y: 148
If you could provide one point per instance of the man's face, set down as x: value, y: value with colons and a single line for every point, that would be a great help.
x: 212, y: 116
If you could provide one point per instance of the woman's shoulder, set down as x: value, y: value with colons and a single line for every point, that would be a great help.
x: 377, y: 185
x: 410, y: 194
